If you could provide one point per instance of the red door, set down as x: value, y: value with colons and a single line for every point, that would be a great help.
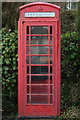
x: 38, y: 85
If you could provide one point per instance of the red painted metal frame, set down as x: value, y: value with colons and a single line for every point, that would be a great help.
x: 40, y: 3
x: 25, y: 109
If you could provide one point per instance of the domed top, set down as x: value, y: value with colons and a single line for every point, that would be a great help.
x: 39, y: 3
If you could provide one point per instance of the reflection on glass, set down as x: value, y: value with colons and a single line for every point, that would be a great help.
x: 39, y: 50
x: 39, y: 59
x: 50, y: 49
x: 27, y: 50
x: 51, y: 60
x: 27, y: 59
x: 27, y: 40
x: 50, y: 99
x: 50, y: 39
x: 39, y: 39
x: 39, y: 30
x: 37, y: 89
x: 39, y: 99
x: 39, y: 70
x: 39, y: 78
x: 50, y: 89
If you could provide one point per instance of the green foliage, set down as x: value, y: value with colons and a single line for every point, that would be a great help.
x: 78, y: 20
x: 71, y: 112
x: 70, y: 92
x: 70, y: 56
x: 68, y: 21
x: 9, y: 65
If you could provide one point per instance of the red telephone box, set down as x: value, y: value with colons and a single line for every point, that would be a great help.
x: 39, y: 60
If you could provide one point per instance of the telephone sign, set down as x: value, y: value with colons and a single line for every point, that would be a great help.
x: 40, y: 14
x: 39, y: 61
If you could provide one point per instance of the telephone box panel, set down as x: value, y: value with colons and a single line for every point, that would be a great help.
x: 39, y: 60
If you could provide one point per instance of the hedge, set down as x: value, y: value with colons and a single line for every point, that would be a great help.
x: 70, y: 55
x: 9, y: 69
x: 70, y: 72
x: 69, y: 69
x: 68, y: 21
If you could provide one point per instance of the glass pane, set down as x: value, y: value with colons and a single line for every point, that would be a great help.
x: 27, y: 40
x: 51, y: 69
x: 51, y: 50
x: 27, y: 88
x: 50, y: 99
x: 39, y: 50
x: 27, y: 59
x: 27, y: 29
x: 38, y: 99
x: 39, y: 30
x: 51, y: 79
x: 50, y: 29
x: 39, y: 78
x: 39, y: 39
x: 51, y: 60
x: 27, y: 69
x: 50, y: 89
x: 39, y: 70
x: 50, y: 39
x: 39, y: 59
x: 27, y: 79
x: 38, y: 89
x: 27, y: 50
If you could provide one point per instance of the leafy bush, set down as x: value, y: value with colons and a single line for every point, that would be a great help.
x: 70, y: 55
x: 71, y: 112
x: 70, y: 71
x: 9, y: 70
x: 68, y: 21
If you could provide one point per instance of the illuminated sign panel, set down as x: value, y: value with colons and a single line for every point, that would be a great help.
x: 39, y: 14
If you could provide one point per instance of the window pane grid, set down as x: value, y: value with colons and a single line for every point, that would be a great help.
x: 46, y: 75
